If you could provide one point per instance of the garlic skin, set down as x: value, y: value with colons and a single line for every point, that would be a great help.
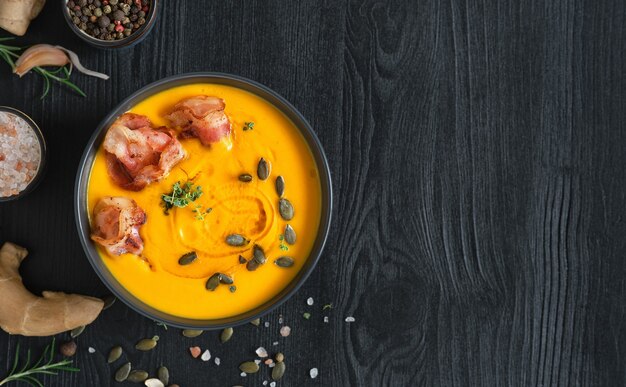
x: 40, y: 55
x: 48, y: 55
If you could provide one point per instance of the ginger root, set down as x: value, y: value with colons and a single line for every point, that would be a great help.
x: 23, y: 313
x: 15, y: 15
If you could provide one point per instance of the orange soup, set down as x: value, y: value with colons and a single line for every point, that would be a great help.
x: 227, y: 206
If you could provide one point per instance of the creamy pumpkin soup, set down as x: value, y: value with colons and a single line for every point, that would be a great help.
x: 205, y: 201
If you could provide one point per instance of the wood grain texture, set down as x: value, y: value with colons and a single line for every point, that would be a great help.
x: 477, y: 152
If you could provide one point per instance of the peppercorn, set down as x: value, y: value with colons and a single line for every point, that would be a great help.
x: 125, y: 8
x: 141, y: 21
x: 82, y: 26
x: 120, y: 35
x: 145, y: 8
x: 86, y: 11
x: 71, y: 4
x: 118, y: 15
x: 134, y: 9
x: 133, y: 18
x: 76, y: 20
x: 82, y: 3
x: 106, y: 9
x: 96, y: 31
x: 136, y: 26
x: 119, y: 28
x: 93, y: 19
x: 127, y: 31
x: 78, y: 13
x: 113, y: 2
x: 97, y: 12
x: 68, y: 349
x: 84, y: 19
x: 141, y: 14
x: 103, y: 21
x: 111, y: 27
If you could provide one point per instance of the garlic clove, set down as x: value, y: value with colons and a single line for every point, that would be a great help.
x: 40, y: 55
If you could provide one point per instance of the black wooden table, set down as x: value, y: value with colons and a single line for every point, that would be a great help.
x: 477, y: 152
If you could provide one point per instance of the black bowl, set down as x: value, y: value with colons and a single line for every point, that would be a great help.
x: 42, y: 144
x: 129, y: 41
x: 82, y: 217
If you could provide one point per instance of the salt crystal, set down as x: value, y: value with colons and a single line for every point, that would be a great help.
x: 280, y: 320
x: 309, y: 301
x: 325, y: 319
x: 285, y: 331
x: 350, y: 319
x: 267, y: 324
x: 261, y: 352
x: 243, y: 374
x: 91, y: 350
x: 268, y: 361
x: 257, y: 361
x: 275, y: 343
x: 217, y: 361
x: 273, y: 384
x: 272, y: 365
x: 313, y: 373
x: 206, y: 355
x: 265, y: 382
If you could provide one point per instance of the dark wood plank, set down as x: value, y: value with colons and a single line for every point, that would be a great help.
x: 477, y: 153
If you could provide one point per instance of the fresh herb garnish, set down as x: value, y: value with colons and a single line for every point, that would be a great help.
x: 282, y: 244
x: 161, y: 324
x: 181, y: 196
x: 201, y: 214
x: 248, y: 126
x: 44, y: 365
x: 306, y: 315
x: 327, y: 306
x: 61, y: 74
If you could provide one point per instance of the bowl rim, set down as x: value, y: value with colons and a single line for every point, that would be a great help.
x: 86, y: 163
x: 128, y: 41
x: 43, y: 150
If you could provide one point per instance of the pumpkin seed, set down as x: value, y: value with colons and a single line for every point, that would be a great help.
x: 252, y: 265
x: 213, y: 282
x: 259, y: 255
x: 108, y: 301
x: 279, y: 357
x: 279, y: 370
x: 256, y: 322
x: 245, y: 177
x: 122, y: 372
x: 154, y: 383
x: 163, y: 374
x: 290, y: 235
x: 147, y: 344
x: 232, y: 288
x: 137, y: 376
x: 280, y: 186
x: 263, y: 169
x: 236, y: 240
x: 225, y: 279
x: 285, y: 209
x: 249, y: 367
x: 192, y: 332
x: 242, y: 259
x: 226, y: 334
x: 188, y: 258
x: 116, y: 353
x: 284, y: 262
x: 74, y: 333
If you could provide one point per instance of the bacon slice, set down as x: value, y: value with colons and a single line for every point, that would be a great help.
x: 116, y: 223
x: 138, y: 154
x: 201, y: 116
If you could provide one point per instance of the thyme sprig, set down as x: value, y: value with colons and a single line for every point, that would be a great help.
x: 181, y: 195
x: 61, y: 74
x: 44, y: 366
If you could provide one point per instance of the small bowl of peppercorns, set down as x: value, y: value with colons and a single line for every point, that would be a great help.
x: 111, y: 23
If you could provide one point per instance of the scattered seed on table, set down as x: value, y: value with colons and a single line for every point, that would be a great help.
x: 122, y: 372
x: 147, y: 344
x: 249, y: 367
x: 279, y: 370
x: 68, y: 349
x: 192, y: 332
x: 226, y: 334
x: 309, y: 301
x: 206, y: 355
x: 154, y: 383
x: 114, y: 354
x: 195, y: 351
x: 313, y: 373
x: 74, y: 333
x: 256, y: 322
x: 163, y: 374
x: 137, y: 376
x: 261, y: 352
x: 285, y: 331
x: 279, y: 357
x: 350, y: 319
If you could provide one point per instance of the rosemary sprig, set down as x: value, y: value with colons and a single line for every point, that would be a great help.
x: 43, y: 366
x: 9, y: 53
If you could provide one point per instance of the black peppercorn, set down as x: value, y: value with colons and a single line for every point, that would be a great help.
x: 118, y: 15
x: 104, y: 21
x: 82, y: 3
x: 97, y: 3
x: 76, y: 20
x: 82, y: 26
x: 78, y: 13
x: 84, y: 19
x: 71, y: 4
x: 141, y: 14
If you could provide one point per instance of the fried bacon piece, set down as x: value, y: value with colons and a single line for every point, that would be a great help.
x: 203, y: 117
x: 138, y: 154
x: 115, y: 225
